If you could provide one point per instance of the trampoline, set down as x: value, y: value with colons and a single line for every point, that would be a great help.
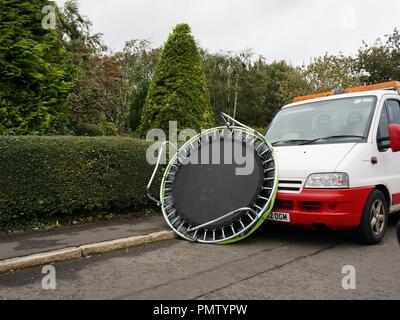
x: 220, y: 186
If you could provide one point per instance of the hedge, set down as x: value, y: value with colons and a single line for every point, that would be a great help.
x: 71, y: 175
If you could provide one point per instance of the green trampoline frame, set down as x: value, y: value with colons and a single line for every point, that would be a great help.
x: 259, y: 217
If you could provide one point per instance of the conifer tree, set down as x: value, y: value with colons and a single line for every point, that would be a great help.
x: 178, y: 90
x: 35, y: 76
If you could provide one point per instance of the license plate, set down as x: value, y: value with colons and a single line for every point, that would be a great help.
x: 279, y: 216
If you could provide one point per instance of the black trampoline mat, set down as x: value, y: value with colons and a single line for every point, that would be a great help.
x: 204, y: 192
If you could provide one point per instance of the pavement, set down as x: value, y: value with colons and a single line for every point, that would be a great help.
x: 18, y: 245
x: 277, y: 262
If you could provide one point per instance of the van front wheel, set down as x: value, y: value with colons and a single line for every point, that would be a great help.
x: 374, y: 219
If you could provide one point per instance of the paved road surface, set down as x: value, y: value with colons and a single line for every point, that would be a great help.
x: 276, y: 263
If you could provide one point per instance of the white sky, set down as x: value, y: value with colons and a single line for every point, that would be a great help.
x: 293, y: 30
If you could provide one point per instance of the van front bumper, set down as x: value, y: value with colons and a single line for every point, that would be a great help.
x: 335, y: 209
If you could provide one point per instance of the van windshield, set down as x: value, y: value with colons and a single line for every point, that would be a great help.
x: 344, y: 120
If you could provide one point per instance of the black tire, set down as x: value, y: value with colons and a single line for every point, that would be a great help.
x: 398, y: 232
x: 369, y: 232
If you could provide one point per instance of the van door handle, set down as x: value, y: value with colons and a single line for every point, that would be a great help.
x: 374, y: 160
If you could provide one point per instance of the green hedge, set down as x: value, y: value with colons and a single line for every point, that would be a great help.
x: 71, y: 175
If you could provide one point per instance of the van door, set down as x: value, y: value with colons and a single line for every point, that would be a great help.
x: 389, y: 160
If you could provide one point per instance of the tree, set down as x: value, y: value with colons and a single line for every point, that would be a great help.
x: 178, y: 90
x: 136, y: 108
x: 102, y: 95
x: 284, y: 82
x: 137, y: 61
x: 76, y: 30
x: 331, y: 72
x: 251, y: 89
x: 35, y: 74
x: 379, y: 62
x: 218, y: 72
x: 266, y: 89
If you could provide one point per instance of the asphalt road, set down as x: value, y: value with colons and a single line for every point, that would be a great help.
x: 275, y: 263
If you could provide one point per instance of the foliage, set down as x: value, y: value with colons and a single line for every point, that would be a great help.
x: 379, y: 62
x: 251, y: 89
x: 136, y: 108
x: 42, y: 176
x: 88, y: 129
x: 101, y: 94
x: 35, y: 74
x: 109, y: 128
x: 225, y: 73
x: 137, y: 61
x: 281, y: 83
x: 178, y: 89
x: 331, y: 72
x: 64, y: 81
x: 76, y: 31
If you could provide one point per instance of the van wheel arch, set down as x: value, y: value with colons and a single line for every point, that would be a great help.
x: 386, y: 193
x: 374, y: 219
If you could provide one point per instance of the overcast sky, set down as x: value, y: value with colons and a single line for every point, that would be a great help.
x: 277, y: 29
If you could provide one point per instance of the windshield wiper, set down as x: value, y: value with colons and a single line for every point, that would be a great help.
x: 290, y: 141
x: 333, y: 138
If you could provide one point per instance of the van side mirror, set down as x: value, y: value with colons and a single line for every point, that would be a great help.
x: 394, y: 136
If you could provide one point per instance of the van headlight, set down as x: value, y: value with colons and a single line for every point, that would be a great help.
x: 328, y: 181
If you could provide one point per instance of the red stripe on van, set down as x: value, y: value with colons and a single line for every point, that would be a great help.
x: 396, y: 198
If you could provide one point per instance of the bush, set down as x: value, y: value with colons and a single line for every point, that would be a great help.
x: 71, y: 175
x: 109, y: 128
x: 88, y: 129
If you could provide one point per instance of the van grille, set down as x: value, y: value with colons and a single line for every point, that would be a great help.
x: 291, y: 186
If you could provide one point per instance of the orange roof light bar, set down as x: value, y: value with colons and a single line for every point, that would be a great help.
x: 393, y: 85
x: 314, y: 96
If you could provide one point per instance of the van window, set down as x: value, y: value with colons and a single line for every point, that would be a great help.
x: 390, y: 114
x: 383, y: 129
x: 393, y: 108
x: 332, y: 121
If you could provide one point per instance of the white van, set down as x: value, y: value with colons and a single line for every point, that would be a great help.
x: 339, y: 160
